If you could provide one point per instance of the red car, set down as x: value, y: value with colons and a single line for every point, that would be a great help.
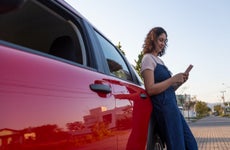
x: 65, y: 86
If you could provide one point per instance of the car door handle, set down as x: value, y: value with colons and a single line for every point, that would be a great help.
x: 100, y: 88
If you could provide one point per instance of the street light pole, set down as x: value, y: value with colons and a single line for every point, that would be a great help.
x: 223, y: 96
x: 225, y: 88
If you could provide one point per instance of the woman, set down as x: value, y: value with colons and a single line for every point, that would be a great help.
x: 161, y: 86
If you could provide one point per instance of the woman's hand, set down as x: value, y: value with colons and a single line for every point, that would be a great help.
x: 180, y: 78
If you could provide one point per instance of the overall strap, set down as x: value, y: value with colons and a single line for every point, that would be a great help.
x: 154, y: 59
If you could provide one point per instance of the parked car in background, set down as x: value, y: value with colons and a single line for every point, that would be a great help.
x: 65, y: 86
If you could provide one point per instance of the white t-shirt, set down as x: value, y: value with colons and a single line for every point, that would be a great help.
x: 150, y: 61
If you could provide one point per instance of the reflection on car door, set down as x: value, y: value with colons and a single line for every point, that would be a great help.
x: 47, y: 101
x: 56, y: 94
x: 133, y: 106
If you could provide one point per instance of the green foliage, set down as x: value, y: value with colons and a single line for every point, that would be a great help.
x: 138, y: 64
x: 137, y: 67
x: 119, y: 47
x: 226, y: 103
x: 218, y: 109
x: 202, y: 109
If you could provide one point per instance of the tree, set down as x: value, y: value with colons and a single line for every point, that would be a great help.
x: 137, y: 67
x: 101, y: 129
x: 189, y: 104
x: 226, y: 103
x: 119, y: 47
x: 202, y: 109
x: 138, y: 64
x: 218, y: 109
x: 75, y: 126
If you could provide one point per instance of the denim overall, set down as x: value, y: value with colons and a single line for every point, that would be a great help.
x: 171, y: 124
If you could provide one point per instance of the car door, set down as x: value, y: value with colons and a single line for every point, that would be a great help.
x: 43, y: 99
x: 132, y: 104
x: 49, y: 100
x: 52, y: 100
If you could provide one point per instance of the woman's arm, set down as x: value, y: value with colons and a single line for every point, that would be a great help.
x: 153, y: 88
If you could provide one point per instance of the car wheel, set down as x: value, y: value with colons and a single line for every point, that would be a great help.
x: 158, y: 145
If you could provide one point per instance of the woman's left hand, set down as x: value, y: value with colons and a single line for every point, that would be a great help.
x: 186, y: 75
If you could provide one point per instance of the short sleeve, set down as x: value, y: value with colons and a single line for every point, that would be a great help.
x: 147, y: 63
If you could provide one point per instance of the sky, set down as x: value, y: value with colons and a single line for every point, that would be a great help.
x: 198, y: 33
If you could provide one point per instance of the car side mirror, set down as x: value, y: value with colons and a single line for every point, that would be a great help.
x: 9, y: 5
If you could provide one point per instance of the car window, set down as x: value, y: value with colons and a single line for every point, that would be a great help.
x: 139, y: 80
x: 45, y: 30
x: 116, y: 63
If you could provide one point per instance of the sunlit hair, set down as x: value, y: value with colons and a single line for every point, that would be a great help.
x: 151, y: 38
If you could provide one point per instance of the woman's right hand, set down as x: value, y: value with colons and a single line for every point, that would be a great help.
x: 179, y: 78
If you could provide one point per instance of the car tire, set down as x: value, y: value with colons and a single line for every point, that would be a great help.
x: 158, y: 145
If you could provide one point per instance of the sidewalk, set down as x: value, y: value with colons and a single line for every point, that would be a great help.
x: 212, y: 133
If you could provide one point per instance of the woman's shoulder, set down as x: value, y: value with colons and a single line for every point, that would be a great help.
x: 155, y: 59
x: 148, y: 62
x: 147, y: 56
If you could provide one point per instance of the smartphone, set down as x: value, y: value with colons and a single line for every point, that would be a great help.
x: 189, y: 69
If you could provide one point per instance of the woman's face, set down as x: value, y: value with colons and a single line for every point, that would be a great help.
x: 161, y: 42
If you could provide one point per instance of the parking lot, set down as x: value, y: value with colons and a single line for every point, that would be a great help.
x: 212, y: 133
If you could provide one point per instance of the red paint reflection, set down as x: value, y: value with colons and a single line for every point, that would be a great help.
x: 140, y: 117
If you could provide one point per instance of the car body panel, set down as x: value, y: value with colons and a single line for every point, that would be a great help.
x: 47, y: 102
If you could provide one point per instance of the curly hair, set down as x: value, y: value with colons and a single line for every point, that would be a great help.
x: 151, y: 38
